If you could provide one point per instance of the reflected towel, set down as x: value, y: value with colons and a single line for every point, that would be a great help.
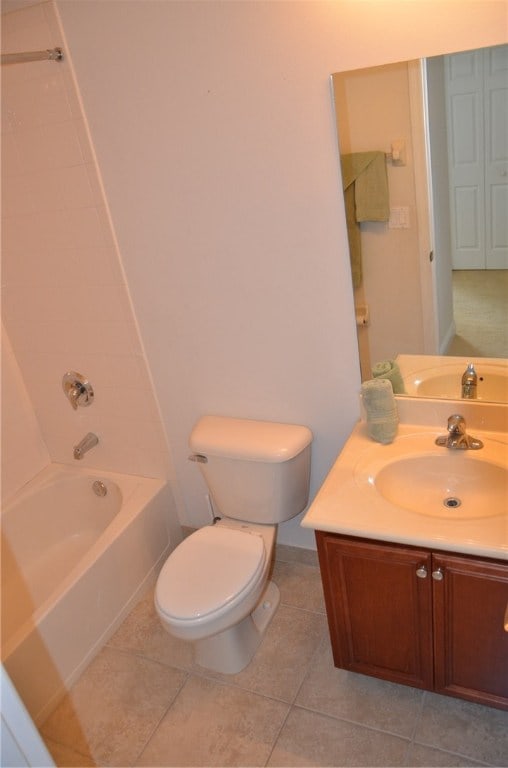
x: 389, y: 369
x: 381, y: 410
x: 365, y: 186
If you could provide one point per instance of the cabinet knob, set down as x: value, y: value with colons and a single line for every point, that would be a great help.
x: 421, y: 571
x: 438, y: 574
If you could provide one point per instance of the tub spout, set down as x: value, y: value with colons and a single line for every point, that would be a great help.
x: 89, y: 441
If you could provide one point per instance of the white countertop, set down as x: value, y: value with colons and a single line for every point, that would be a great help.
x: 345, y: 505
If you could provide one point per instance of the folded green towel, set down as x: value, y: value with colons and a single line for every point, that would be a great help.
x: 381, y: 410
x: 389, y: 369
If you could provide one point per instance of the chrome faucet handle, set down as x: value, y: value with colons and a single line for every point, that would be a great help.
x: 457, y: 436
x: 78, y: 390
x: 456, y: 424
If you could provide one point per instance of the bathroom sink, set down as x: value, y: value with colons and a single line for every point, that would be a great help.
x: 437, y: 481
x: 492, y: 386
x: 435, y: 376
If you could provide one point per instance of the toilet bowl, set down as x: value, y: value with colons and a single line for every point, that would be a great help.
x: 214, y: 591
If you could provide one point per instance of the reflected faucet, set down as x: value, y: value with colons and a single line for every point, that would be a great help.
x: 89, y: 441
x: 457, y: 437
x: 469, y: 383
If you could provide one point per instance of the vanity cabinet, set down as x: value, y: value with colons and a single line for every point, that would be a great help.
x: 411, y: 615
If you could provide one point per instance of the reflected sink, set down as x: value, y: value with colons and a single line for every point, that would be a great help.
x: 492, y: 385
x: 436, y: 481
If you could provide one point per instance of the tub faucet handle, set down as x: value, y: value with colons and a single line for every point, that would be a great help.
x: 78, y: 389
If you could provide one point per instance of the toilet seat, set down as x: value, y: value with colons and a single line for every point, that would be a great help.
x: 209, y: 573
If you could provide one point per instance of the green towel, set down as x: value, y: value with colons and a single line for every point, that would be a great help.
x: 389, y: 369
x: 381, y: 410
x: 365, y: 186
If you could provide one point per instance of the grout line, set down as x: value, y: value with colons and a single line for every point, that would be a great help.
x: 159, y: 721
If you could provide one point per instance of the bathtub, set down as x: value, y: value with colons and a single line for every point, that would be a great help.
x: 74, y: 561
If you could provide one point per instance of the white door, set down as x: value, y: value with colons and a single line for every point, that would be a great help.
x: 496, y: 156
x: 477, y: 117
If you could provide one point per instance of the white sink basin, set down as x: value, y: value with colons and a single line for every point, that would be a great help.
x: 416, y: 475
x: 492, y: 386
x: 445, y: 486
x: 441, y: 376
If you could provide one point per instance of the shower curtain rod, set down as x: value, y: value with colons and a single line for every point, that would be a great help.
x: 51, y: 54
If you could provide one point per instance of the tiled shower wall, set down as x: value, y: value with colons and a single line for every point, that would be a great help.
x: 65, y: 301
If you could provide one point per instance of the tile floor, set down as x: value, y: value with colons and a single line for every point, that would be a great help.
x: 142, y: 702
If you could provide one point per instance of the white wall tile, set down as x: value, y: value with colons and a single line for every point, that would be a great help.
x: 24, y: 452
x: 65, y: 301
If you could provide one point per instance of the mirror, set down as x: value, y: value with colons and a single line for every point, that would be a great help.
x: 434, y: 272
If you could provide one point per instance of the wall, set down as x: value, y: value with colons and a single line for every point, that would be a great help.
x: 66, y: 304
x: 214, y: 129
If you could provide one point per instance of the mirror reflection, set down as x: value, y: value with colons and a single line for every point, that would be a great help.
x: 429, y: 261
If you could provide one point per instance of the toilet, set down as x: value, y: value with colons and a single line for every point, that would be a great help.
x: 214, y: 589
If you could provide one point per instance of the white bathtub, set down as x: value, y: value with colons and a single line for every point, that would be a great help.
x: 73, y: 563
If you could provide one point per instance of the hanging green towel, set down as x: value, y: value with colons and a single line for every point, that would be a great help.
x: 365, y: 186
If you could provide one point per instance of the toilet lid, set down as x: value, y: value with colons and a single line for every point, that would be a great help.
x: 208, y: 570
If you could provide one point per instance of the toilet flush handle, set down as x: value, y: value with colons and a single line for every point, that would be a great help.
x: 198, y: 457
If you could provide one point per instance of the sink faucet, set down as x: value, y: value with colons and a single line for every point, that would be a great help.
x: 469, y: 383
x: 89, y: 441
x: 457, y: 437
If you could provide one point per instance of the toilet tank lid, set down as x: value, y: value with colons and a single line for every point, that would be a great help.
x: 248, y: 439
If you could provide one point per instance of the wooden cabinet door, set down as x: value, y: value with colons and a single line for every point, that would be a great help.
x: 379, y: 610
x: 470, y: 642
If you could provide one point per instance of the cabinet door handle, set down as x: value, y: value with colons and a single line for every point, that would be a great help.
x: 438, y: 574
x: 421, y: 571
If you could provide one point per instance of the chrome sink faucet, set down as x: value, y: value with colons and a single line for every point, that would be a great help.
x: 469, y: 383
x: 89, y: 441
x: 457, y: 437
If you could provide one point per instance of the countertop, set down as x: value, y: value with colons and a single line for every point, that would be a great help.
x: 345, y: 505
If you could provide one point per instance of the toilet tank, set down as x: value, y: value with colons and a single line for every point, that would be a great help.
x: 256, y: 471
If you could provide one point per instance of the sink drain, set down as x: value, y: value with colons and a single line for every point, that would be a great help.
x: 452, y: 502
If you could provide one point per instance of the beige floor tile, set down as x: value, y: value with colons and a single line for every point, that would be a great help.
x: 212, y: 724
x: 142, y: 632
x: 366, y: 700
x: 419, y: 756
x: 281, y: 661
x: 300, y: 586
x: 289, y: 554
x: 310, y: 739
x: 112, y: 710
x: 477, y: 732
